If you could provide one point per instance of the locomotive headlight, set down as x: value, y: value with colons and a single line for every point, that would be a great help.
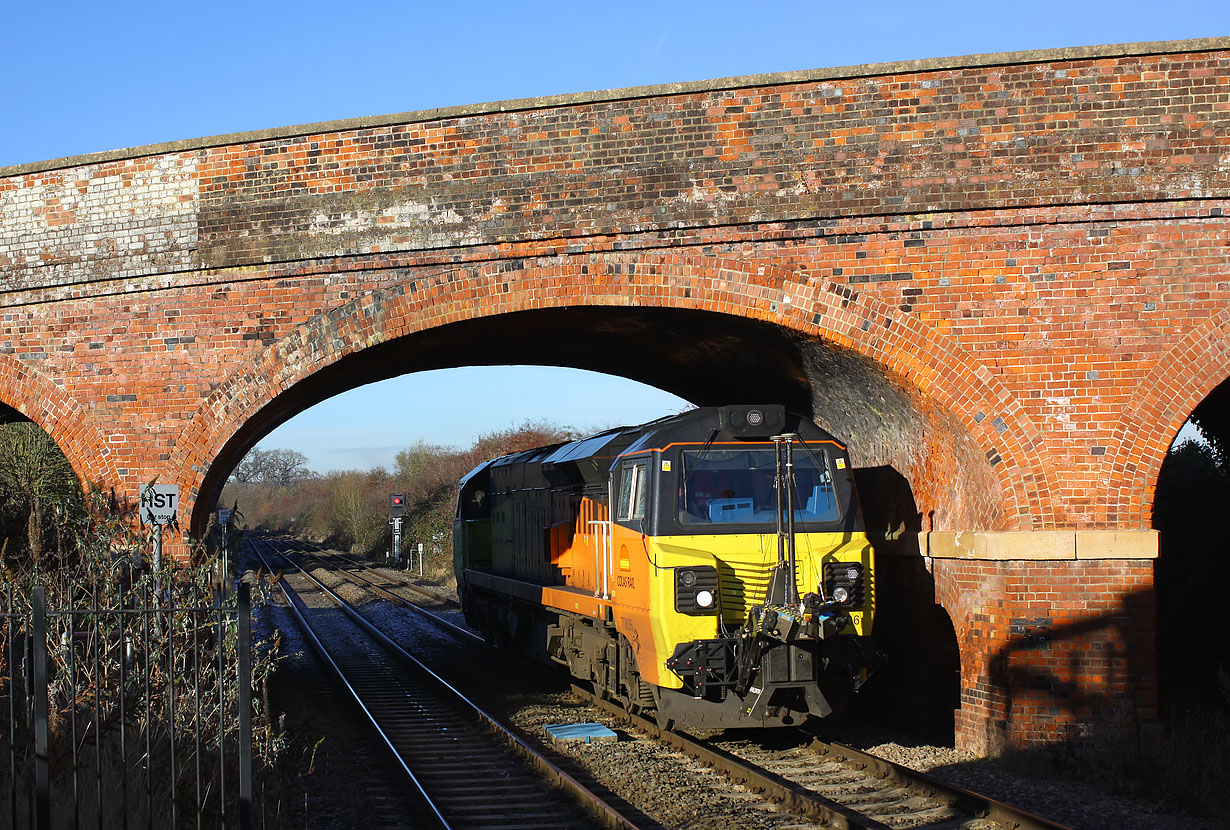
x: 696, y: 590
x: 840, y: 594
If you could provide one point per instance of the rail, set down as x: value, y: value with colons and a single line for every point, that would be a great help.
x: 603, y: 812
x: 833, y: 811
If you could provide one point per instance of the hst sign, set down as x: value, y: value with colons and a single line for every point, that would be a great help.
x: 159, y: 503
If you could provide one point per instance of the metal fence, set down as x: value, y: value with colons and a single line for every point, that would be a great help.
x: 126, y: 710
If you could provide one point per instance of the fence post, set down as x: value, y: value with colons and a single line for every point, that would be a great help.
x: 10, y: 636
x: 42, y: 784
x: 244, y: 650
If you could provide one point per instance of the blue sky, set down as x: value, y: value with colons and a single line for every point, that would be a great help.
x: 78, y: 78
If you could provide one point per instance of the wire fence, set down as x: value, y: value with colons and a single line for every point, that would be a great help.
x: 126, y: 707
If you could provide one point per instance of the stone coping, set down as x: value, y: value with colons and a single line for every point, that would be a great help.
x: 1071, y: 53
x: 1037, y: 545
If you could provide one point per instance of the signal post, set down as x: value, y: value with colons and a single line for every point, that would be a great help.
x: 397, y: 511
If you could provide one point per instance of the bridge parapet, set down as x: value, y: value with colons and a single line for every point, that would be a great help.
x: 1095, y: 126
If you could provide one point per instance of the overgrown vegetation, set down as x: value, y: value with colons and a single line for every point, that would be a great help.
x: 124, y: 688
x: 88, y: 550
x: 349, y: 509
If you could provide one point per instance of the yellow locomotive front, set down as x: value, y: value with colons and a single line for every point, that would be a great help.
x: 744, y: 577
x: 711, y: 565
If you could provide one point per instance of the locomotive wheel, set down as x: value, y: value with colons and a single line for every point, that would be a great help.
x: 497, y: 633
x: 641, y: 700
x: 664, y: 723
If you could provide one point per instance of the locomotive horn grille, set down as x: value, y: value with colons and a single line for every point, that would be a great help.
x: 848, y: 575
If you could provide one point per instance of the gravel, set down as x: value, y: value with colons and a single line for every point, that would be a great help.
x: 671, y: 789
x: 1077, y: 805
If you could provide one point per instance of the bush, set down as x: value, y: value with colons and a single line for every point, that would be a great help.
x: 113, y: 673
x: 349, y: 510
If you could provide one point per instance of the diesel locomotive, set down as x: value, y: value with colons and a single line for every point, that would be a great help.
x: 711, y: 566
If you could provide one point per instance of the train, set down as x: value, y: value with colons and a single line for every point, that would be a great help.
x: 710, y: 568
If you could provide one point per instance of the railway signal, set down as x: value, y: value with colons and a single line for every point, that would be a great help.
x: 397, y: 511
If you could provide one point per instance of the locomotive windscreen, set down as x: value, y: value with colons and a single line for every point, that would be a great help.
x: 736, y: 486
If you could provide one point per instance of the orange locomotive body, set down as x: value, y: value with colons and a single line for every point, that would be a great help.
x: 711, y: 566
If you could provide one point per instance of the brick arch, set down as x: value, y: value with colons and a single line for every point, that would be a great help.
x: 952, y: 377
x: 831, y: 311
x: 1165, y: 398
x: 36, y: 397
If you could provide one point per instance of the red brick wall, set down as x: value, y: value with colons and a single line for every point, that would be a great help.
x: 1051, y: 651
x: 1035, y: 243
x: 1042, y: 130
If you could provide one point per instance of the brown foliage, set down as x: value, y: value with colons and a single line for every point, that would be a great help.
x: 350, y: 509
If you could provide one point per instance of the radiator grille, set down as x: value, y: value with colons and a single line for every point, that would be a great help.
x: 742, y: 585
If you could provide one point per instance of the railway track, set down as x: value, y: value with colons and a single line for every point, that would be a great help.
x: 467, y: 769
x: 379, y: 581
x: 836, y: 785
x: 840, y: 785
x: 387, y: 586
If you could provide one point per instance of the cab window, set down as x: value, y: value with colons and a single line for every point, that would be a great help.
x: 633, y: 491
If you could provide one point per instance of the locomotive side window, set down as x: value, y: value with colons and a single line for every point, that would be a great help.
x: 633, y: 491
x: 720, y: 486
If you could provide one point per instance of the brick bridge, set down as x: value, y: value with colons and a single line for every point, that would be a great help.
x: 1003, y: 279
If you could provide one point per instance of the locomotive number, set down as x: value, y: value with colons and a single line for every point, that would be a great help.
x: 625, y: 581
x: 856, y: 618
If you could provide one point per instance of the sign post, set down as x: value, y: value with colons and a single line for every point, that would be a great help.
x: 224, y: 519
x: 159, y: 504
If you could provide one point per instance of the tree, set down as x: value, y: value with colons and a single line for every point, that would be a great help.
x: 35, y: 480
x: 528, y: 436
x: 278, y: 467
x: 412, y: 462
x: 350, y: 508
x: 354, y: 508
